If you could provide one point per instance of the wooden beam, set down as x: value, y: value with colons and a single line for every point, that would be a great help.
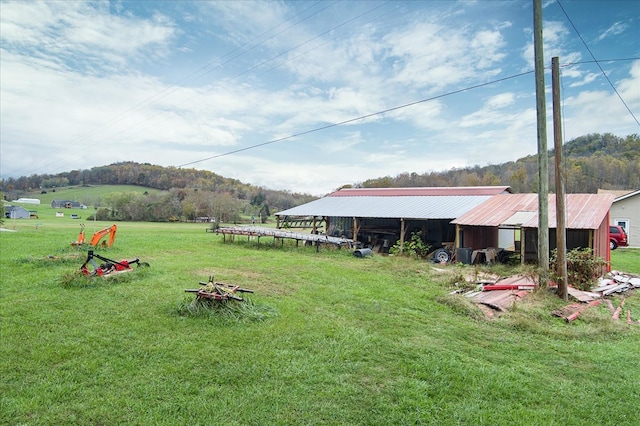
x: 356, y: 229
x: 402, y: 234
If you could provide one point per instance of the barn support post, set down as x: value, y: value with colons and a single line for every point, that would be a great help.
x: 523, y: 244
x: 356, y: 229
x: 402, y: 234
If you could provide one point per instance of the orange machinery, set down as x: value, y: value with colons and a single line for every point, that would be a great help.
x: 95, y: 239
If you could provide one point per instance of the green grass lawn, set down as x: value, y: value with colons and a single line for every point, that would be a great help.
x: 327, y: 338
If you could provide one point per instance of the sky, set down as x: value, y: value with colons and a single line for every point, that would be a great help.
x: 305, y: 96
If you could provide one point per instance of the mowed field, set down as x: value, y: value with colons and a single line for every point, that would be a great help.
x: 325, y: 339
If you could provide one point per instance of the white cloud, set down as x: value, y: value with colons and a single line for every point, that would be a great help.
x: 82, y: 34
x: 613, y: 30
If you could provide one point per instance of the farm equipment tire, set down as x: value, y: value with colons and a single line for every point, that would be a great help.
x: 442, y: 255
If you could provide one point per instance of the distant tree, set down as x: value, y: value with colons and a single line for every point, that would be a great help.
x: 225, y: 208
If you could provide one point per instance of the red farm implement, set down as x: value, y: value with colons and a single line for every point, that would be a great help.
x: 109, y: 266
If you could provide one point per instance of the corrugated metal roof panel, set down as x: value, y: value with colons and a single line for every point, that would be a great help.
x: 420, y: 191
x: 584, y: 211
x: 410, y: 207
x: 498, y: 209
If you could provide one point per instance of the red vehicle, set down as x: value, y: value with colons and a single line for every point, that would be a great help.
x: 617, y: 237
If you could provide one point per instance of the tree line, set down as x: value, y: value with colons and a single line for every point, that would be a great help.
x: 592, y: 162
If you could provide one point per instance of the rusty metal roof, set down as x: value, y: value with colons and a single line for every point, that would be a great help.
x: 584, y: 211
x: 421, y: 191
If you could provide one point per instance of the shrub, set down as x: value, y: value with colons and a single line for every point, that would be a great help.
x: 583, y: 267
x: 415, y: 247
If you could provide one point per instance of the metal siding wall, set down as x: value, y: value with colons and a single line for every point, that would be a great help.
x: 628, y: 209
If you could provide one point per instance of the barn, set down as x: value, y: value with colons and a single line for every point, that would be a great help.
x: 16, y: 212
x: 510, y: 221
x: 65, y: 204
x: 379, y: 218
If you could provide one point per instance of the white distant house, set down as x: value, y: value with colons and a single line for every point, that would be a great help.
x: 27, y: 201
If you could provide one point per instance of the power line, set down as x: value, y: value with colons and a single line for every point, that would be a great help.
x: 329, y: 126
x: 598, y: 63
x: 215, y: 64
x: 351, y: 120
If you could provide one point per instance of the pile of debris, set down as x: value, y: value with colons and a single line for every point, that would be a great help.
x: 617, y: 282
x: 495, y: 294
x: 613, y: 283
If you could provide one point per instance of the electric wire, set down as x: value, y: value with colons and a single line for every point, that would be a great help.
x: 351, y: 120
x: 160, y: 113
x: 212, y: 65
x: 362, y: 117
x: 598, y: 63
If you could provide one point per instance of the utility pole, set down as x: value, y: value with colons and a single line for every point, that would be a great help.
x: 543, y: 159
x: 561, y: 227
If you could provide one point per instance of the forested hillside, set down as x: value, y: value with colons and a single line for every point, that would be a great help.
x: 198, y: 187
x: 592, y: 162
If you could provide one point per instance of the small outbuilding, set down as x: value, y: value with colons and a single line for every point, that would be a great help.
x: 510, y: 222
x: 27, y: 201
x: 16, y: 212
x: 65, y: 204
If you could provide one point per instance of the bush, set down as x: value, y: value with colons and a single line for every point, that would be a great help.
x: 415, y: 247
x: 583, y: 267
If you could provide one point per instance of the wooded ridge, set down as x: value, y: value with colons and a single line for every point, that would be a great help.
x: 592, y: 162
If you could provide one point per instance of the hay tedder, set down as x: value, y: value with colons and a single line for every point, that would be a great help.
x: 213, y: 290
x: 109, y: 266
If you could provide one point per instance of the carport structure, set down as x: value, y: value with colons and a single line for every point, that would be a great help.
x: 510, y: 221
x: 378, y: 218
